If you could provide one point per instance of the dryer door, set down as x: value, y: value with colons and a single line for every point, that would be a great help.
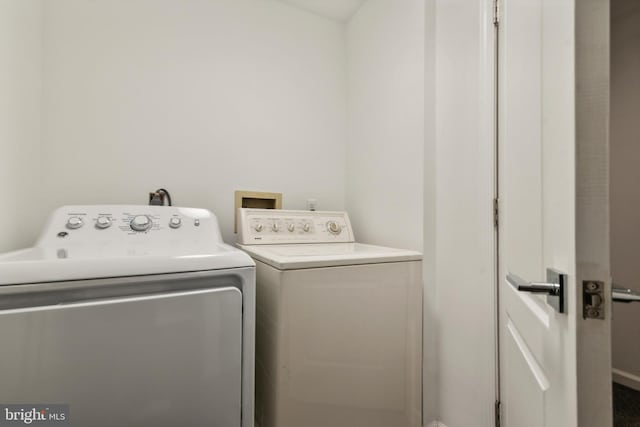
x: 167, y: 359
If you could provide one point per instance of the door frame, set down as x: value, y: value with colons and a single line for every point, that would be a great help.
x: 459, y: 284
x: 592, y: 203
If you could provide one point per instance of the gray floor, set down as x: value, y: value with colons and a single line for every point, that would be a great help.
x: 626, y: 406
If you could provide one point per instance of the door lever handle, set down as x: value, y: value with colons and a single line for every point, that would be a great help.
x: 541, y: 288
x: 535, y: 287
x: 624, y: 295
x: 554, y: 287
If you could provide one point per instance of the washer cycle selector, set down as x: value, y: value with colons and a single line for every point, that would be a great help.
x: 306, y: 228
x: 103, y: 222
x: 334, y: 227
x: 141, y: 223
x: 175, y: 222
x: 291, y: 228
x: 74, y: 222
x: 258, y: 227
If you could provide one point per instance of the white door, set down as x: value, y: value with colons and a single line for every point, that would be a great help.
x: 554, y: 364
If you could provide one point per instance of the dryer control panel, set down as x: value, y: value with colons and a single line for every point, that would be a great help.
x: 276, y: 226
x: 148, y: 228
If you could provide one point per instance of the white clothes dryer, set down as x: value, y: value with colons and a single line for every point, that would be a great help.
x: 338, y: 323
x: 129, y: 316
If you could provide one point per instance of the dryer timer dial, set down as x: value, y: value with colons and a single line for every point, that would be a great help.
x: 141, y: 223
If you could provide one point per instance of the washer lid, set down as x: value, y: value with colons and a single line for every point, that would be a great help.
x: 293, y: 257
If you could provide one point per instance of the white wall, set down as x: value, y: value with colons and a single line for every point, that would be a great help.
x: 384, y: 181
x: 390, y: 149
x: 20, y: 95
x: 199, y: 97
x: 431, y: 388
x: 205, y: 97
x: 464, y: 181
x: 421, y: 147
x: 625, y: 193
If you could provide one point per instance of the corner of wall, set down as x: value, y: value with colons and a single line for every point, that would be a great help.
x: 430, y: 347
x: 20, y: 121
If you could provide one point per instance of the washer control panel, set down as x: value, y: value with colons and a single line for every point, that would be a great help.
x: 276, y: 226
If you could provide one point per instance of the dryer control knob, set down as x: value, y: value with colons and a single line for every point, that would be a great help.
x: 103, y: 222
x: 175, y: 222
x: 306, y: 228
x: 258, y: 227
x: 74, y: 222
x: 334, y: 227
x: 275, y: 227
x: 291, y: 227
x: 141, y: 223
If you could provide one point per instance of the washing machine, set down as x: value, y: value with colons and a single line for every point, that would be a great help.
x: 128, y: 316
x: 339, y: 323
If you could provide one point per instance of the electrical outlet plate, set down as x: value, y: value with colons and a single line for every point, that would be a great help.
x: 255, y: 199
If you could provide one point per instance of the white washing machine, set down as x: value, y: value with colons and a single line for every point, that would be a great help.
x: 338, y: 323
x: 129, y: 316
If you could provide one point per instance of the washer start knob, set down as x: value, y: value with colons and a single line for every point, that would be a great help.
x: 141, y: 223
x: 334, y: 227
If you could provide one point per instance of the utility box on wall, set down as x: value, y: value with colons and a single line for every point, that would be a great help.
x: 255, y: 199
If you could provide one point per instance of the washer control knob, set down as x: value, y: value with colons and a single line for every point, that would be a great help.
x: 141, y: 223
x: 258, y: 227
x: 103, y: 222
x: 291, y: 227
x: 306, y: 227
x: 175, y: 222
x: 275, y: 227
x: 74, y: 222
x: 334, y: 227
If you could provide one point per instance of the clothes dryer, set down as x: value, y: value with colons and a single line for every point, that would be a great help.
x: 129, y: 316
